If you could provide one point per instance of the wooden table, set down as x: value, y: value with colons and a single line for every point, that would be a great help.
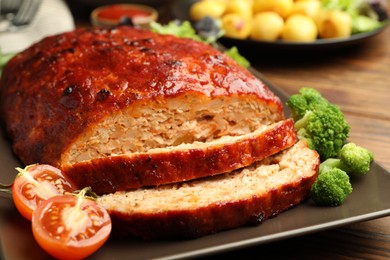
x: 358, y: 80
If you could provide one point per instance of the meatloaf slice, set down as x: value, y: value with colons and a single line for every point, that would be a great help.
x: 183, y: 162
x: 96, y: 92
x: 203, y: 206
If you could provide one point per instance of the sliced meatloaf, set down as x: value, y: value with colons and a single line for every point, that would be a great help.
x: 95, y: 92
x: 183, y: 162
x: 195, y: 208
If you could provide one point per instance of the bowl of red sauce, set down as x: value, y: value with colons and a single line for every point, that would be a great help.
x: 135, y: 14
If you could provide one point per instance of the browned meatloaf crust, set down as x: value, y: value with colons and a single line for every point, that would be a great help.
x: 184, y: 162
x: 97, y: 92
x: 204, y: 206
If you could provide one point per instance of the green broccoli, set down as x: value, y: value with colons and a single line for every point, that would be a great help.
x: 319, y: 122
x: 326, y: 130
x: 352, y: 159
x: 331, y: 187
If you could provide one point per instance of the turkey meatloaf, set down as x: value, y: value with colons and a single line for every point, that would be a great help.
x: 182, y: 162
x: 247, y: 196
x: 102, y: 92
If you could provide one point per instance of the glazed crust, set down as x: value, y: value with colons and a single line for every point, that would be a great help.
x: 61, y: 86
x: 122, y: 172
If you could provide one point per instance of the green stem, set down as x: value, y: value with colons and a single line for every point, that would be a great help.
x: 87, y: 193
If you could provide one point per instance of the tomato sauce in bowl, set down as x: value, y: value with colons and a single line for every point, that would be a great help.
x: 109, y: 15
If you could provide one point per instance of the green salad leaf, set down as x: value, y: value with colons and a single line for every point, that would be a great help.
x: 186, y: 30
x: 235, y: 55
x: 364, y: 18
x: 182, y: 30
x: 4, y: 58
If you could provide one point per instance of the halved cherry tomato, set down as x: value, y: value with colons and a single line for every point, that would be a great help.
x: 37, y: 183
x: 70, y: 226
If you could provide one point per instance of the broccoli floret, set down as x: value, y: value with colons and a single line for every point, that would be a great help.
x: 352, y: 159
x: 305, y: 100
x: 319, y: 122
x: 331, y: 188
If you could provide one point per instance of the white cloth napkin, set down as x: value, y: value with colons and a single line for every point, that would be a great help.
x: 53, y: 17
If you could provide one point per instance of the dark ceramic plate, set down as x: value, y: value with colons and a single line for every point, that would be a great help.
x: 17, y: 242
x: 180, y: 10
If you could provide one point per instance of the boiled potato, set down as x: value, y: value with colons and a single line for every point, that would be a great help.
x: 236, y: 26
x: 267, y: 26
x: 299, y: 28
x: 243, y: 8
x: 212, y: 8
x: 282, y: 7
x: 310, y: 8
x: 334, y: 24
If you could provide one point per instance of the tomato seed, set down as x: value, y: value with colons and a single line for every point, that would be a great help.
x: 60, y: 229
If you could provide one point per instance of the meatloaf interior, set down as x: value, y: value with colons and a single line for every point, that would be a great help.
x: 170, y: 122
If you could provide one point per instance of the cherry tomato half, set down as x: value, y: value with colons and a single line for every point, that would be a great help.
x: 37, y: 183
x: 70, y: 226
